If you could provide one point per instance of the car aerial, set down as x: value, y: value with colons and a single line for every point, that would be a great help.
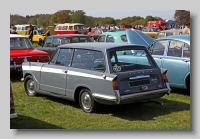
x: 96, y: 32
x: 97, y: 73
x: 164, y: 57
x: 13, y: 113
x: 173, y: 53
x: 22, y: 49
x: 164, y: 33
x: 52, y: 42
x: 150, y: 31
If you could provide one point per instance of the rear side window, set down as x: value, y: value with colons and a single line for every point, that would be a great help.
x: 123, y: 38
x: 101, y: 38
x: 88, y: 59
x: 130, y: 59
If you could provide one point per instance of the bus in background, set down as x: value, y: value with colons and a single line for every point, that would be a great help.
x: 70, y: 28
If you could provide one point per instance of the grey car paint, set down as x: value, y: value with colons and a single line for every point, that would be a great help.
x: 64, y: 81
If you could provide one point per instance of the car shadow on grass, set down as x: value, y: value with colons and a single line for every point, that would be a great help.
x: 144, y: 111
x: 25, y: 122
x: 16, y: 77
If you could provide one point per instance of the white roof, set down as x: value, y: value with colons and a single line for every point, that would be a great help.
x: 16, y: 35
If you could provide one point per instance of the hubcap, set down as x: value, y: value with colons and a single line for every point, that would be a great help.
x: 86, y: 100
x: 30, y: 86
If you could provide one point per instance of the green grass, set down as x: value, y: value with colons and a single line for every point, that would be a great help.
x: 44, y: 112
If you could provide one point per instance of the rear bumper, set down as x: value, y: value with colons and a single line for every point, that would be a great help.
x: 13, y: 115
x: 142, y: 96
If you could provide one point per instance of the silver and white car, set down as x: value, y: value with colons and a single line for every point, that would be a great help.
x: 97, y: 73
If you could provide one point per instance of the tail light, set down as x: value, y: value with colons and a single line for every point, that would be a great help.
x: 166, y: 81
x: 165, y: 78
x: 114, y: 83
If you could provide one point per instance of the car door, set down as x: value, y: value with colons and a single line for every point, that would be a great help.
x: 54, y: 74
x: 177, y: 65
x: 158, y: 51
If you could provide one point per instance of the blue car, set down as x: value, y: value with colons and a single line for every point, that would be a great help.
x: 171, y: 52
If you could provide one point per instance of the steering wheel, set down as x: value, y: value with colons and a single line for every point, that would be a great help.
x: 62, y: 56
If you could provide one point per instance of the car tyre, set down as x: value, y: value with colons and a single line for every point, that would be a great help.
x: 87, y: 102
x: 29, y: 86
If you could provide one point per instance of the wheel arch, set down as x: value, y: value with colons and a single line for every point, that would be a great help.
x: 77, y: 91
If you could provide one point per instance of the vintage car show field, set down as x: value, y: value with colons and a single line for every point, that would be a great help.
x: 44, y: 112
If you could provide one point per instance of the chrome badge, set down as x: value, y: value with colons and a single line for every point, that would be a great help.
x: 144, y: 87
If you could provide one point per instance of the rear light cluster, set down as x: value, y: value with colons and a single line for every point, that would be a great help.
x: 166, y: 81
x: 114, y: 83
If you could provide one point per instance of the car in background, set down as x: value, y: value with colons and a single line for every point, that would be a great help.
x: 150, y: 31
x: 22, y: 49
x: 173, y: 53
x: 120, y: 36
x: 97, y: 73
x: 38, y: 37
x: 13, y: 113
x: 96, y: 32
x: 178, y: 65
x: 52, y: 42
x: 164, y: 33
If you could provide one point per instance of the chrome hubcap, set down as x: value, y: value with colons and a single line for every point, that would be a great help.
x: 30, y: 86
x: 86, y: 100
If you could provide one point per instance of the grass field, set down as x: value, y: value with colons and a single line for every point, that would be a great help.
x: 44, y: 112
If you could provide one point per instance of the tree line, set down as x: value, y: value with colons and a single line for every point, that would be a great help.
x: 79, y: 16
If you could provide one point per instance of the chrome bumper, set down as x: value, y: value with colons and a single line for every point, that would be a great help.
x: 117, y: 98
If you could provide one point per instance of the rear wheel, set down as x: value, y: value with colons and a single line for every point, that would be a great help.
x: 86, y: 101
x: 29, y: 86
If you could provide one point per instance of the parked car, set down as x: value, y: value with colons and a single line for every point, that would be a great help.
x: 52, y: 42
x: 173, y: 53
x: 164, y: 33
x: 150, y: 31
x: 38, y: 37
x: 120, y: 36
x: 96, y: 32
x: 13, y: 113
x: 22, y: 49
x: 164, y: 60
x: 97, y: 73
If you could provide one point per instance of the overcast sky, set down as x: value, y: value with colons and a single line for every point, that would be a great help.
x: 165, y: 14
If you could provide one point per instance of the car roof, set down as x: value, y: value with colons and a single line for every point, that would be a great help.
x: 184, y: 38
x: 16, y: 35
x: 117, y: 32
x: 98, y: 45
x: 67, y: 35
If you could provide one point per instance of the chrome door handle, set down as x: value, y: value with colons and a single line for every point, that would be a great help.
x: 65, y: 71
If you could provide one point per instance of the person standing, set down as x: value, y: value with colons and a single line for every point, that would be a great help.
x: 186, y: 30
x: 48, y: 33
x: 14, y: 30
x: 30, y: 33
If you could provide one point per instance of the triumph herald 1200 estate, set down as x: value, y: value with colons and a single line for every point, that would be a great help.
x: 97, y: 73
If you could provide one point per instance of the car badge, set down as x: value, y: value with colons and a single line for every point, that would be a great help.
x: 144, y: 87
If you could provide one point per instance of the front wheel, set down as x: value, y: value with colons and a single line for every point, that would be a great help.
x: 29, y: 86
x: 87, y: 102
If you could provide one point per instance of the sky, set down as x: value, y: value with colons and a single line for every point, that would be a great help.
x: 116, y: 14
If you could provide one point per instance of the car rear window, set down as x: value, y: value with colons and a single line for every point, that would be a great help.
x: 17, y: 43
x: 130, y: 59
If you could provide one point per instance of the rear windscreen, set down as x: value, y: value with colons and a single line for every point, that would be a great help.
x: 130, y: 59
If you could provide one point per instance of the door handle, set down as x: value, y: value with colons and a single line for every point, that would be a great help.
x: 159, y: 57
x: 65, y: 71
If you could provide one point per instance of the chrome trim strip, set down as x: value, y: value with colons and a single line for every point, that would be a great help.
x: 139, y: 77
x: 107, y: 97
x: 13, y: 115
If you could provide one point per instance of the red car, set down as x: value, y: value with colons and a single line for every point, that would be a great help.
x: 22, y: 49
x: 96, y: 32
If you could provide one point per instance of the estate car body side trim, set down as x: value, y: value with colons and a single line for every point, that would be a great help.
x: 118, y: 98
x: 53, y: 70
